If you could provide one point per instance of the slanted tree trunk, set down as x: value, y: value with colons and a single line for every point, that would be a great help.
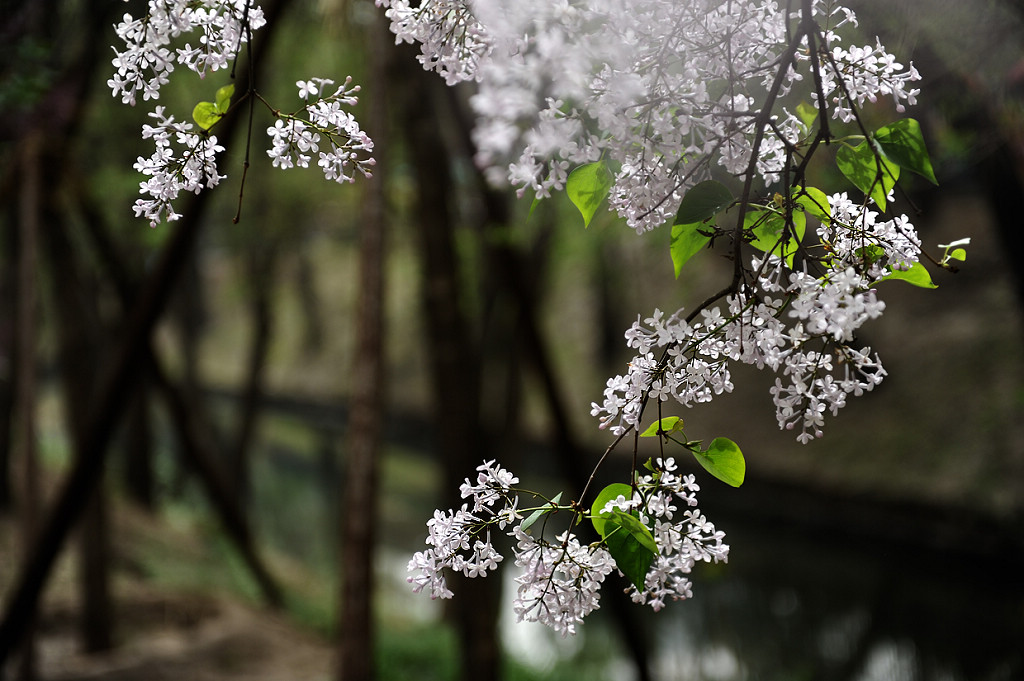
x: 138, y: 451
x: 313, y: 335
x: 113, y: 388
x: 138, y: 447
x: 366, y: 422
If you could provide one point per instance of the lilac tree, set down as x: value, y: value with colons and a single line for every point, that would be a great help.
x: 698, y: 117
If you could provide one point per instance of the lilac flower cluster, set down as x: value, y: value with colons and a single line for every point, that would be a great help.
x: 452, y: 41
x: 683, y: 540
x: 664, y: 89
x: 561, y: 580
x: 148, y: 59
x: 171, y: 172
x: 296, y: 137
x: 800, y: 325
x: 322, y: 127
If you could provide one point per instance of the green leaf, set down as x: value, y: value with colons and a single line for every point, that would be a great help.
x: 629, y: 541
x: 687, y: 240
x: 917, y: 275
x: 205, y: 115
x: 533, y: 207
x: 610, y: 492
x: 539, y: 513
x: 959, y: 254
x: 724, y: 460
x: 815, y: 202
x: 223, y: 98
x: 768, y: 228
x: 703, y: 201
x: 632, y: 525
x: 807, y: 114
x: 903, y: 143
x: 632, y: 546
x: 873, y: 175
x: 587, y: 186
x: 669, y: 424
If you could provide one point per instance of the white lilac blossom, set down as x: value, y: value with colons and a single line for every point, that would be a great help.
x: 683, y: 540
x: 801, y: 326
x: 149, y: 56
x: 296, y: 138
x: 451, y: 40
x: 172, y: 171
x: 664, y: 90
x: 666, y: 94
x: 460, y: 540
x: 322, y: 130
x: 560, y: 580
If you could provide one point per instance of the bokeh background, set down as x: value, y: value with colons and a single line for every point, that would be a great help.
x: 272, y: 413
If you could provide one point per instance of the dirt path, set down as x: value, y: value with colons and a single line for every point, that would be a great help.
x: 180, y: 638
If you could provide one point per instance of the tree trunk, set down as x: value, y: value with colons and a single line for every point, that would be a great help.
x: 79, y: 333
x: 454, y: 359
x: 259, y: 270
x: 113, y: 388
x: 8, y: 359
x: 138, y: 448
x: 359, y: 506
x: 29, y: 501
x: 198, y: 449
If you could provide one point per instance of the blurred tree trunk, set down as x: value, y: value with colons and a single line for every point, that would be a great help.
x: 198, y: 449
x: 313, y: 337
x: 80, y: 334
x: 29, y: 501
x: 518, y: 275
x: 138, y: 447
x: 356, y: 640
x: 188, y: 313
x: 115, y: 264
x: 8, y: 358
x: 259, y: 268
x: 114, y: 384
x: 455, y: 365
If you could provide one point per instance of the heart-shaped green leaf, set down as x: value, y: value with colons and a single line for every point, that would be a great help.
x: 587, y: 186
x: 769, y: 228
x: 724, y: 460
x: 871, y: 173
x: 610, y: 492
x: 205, y: 115
x: 223, y: 98
x: 669, y: 424
x: 903, y: 144
x: 687, y: 241
x: 703, y: 201
x: 814, y: 202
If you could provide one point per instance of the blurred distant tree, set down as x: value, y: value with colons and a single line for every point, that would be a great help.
x: 8, y: 359
x: 364, y: 439
x: 259, y: 267
x: 455, y: 358
x: 81, y: 336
